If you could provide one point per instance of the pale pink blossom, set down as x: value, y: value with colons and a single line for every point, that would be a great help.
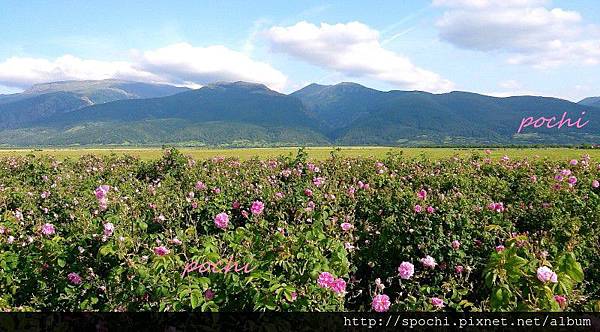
x: 48, y: 229
x: 221, y: 220
x: 109, y: 228
x: 544, y: 274
x: 455, y: 244
x: 428, y: 262
x: 406, y: 270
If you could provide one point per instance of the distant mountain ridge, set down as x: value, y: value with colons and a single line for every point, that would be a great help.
x: 591, y: 101
x: 248, y: 114
x: 42, y: 101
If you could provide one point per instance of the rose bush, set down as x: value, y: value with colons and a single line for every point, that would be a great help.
x: 117, y: 234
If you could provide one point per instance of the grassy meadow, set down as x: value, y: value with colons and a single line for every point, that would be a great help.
x: 315, y: 153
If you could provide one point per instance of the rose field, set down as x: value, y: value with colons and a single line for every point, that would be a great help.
x: 290, y: 233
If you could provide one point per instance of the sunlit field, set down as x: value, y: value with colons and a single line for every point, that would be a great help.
x: 115, y: 233
x: 315, y: 153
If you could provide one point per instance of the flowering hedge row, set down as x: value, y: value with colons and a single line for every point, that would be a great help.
x: 120, y: 234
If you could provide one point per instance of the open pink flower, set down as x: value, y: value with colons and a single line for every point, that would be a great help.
x: 338, y: 285
x: 74, y: 278
x: 437, y: 302
x: 381, y: 303
x: 422, y: 194
x: 497, y: 207
x: 161, y: 251
x: 109, y: 228
x: 455, y: 244
x: 544, y: 274
x: 325, y: 279
x: 200, y: 185
x: 430, y: 209
x: 257, y: 207
x: 221, y: 220
x: 595, y: 184
x: 209, y: 294
x: 428, y: 262
x: 406, y: 270
x: 318, y: 181
x: 101, y: 191
x: 48, y: 229
x: 418, y: 208
x: 346, y: 226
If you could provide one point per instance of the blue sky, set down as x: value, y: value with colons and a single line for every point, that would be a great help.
x: 499, y: 47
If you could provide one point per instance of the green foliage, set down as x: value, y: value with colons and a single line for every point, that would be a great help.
x: 172, y: 203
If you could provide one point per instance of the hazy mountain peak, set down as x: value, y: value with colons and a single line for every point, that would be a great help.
x: 72, y: 85
x: 591, y: 101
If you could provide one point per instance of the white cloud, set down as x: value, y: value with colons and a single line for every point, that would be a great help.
x: 181, y: 63
x: 527, y: 31
x: 178, y: 64
x: 352, y: 49
x: 23, y: 72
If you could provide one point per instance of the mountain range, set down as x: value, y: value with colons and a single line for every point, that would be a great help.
x: 240, y: 114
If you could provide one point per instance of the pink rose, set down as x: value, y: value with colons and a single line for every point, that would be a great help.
x: 428, y: 262
x: 437, y: 302
x: 381, y: 303
x: 221, y: 220
x: 257, y: 207
x: 325, y: 279
x: 109, y: 228
x: 346, y: 226
x: 544, y: 274
x: 74, y: 278
x: 48, y: 229
x: 562, y: 300
x: 161, y: 251
x: 406, y: 270
x: 338, y: 285
x: 455, y: 244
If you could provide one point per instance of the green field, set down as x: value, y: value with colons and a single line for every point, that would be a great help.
x: 316, y: 152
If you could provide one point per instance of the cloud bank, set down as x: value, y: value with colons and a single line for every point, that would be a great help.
x: 528, y: 31
x: 179, y: 64
x: 352, y: 49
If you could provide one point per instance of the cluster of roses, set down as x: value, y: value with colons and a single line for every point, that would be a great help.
x: 381, y: 302
x: 102, y: 196
x: 221, y: 220
x: 328, y: 281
